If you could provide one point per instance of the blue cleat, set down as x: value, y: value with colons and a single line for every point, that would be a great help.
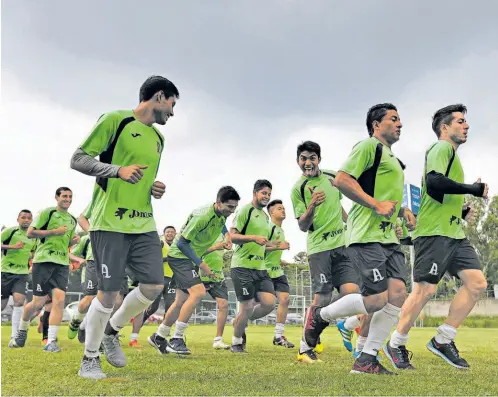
x: 346, y: 336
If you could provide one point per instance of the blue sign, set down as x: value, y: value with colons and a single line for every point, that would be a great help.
x: 415, y: 198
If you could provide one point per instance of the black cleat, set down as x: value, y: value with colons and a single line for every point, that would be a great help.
x: 399, y: 357
x: 158, y: 343
x: 238, y: 349
x: 448, y: 352
x: 178, y: 346
x: 81, y: 335
x: 313, y: 326
x: 367, y: 364
x: 282, y: 341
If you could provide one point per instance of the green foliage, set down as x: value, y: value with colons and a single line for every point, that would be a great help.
x: 470, y: 322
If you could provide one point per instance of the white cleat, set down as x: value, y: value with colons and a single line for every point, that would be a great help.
x: 220, y: 345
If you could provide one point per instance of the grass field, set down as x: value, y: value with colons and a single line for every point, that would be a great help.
x: 266, y: 370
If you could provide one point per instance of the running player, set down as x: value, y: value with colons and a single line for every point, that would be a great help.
x: 16, y: 251
x: 123, y: 230
x: 373, y: 178
x: 55, y: 228
x: 273, y: 259
x: 254, y: 289
x: 318, y: 210
x: 440, y: 243
x: 199, y: 233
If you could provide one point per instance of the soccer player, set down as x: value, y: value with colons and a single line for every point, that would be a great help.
x: 373, y: 178
x: 440, y: 243
x: 199, y: 233
x: 55, y: 228
x: 123, y: 231
x: 168, y: 292
x: 250, y: 232
x: 273, y: 257
x: 318, y: 210
x: 16, y: 251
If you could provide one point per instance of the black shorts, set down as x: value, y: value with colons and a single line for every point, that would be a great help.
x: 113, y: 252
x: 89, y: 282
x: 217, y: 290
x: 185, y: 273
x: 435, y: 255
x: 377, y: 263
x: 331, y: 269
x: 169, y: 292
x: 248, y: 282
x: 14, y: 283
x: 281, y: 284
x: 47, y: 276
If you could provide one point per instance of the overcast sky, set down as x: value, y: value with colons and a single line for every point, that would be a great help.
x: 255, y: 77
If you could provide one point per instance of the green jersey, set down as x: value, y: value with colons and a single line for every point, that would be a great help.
x: 120, y: 139
x: 15, y: 261
x: 215, y: 262
x: 327, y: 230
x: 250, y: 221
x: 202, y: 228
x: 272, y: 259
x: 54, y: 249
x: 380, y: 175
x: 84, y: 248
x: 441, y: 216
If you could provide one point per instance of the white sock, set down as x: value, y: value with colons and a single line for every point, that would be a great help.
x: 218, y: 339
x: 79, y: 316
x: 348, y: 305
x: 53, y: 330
x: 360, y: 343
x: 398, y: 339
x: 16, y: 319
x: 83, y: 323
x: 351, y: 323
x: 236, y: 340
x: 163, y: 331
x: 446, y: 333
x: 24, y: 325
x: 96, y: 321
x: 279, y: 330
x: 134, y: 303
x: 382, y: 323
x: 180, y: 329
x: 303, y: 346
x: 133, y: 337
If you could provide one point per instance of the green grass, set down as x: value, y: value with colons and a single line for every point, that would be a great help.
x: 267, y: 370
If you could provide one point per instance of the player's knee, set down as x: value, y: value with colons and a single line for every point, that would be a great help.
x: 223, y: 305
x: 477, y: 286
x: 322, y: 299
x: 19, y: 301
x: 374, y: 303
x: 284, y: 300
x: 151, y: 291
x: 197, y: 291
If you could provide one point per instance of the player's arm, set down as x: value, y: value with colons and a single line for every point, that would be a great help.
x: 409, y: 220
x: 239, y: 221
x: 185, y: 247
x: 303, y: 214
x: 75, y: 258
x: 42, y: 219
x: 5, y: 235
x: 274, y: 245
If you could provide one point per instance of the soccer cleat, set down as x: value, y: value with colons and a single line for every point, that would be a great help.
x: 158, y: 343
x: 220, y: 345
x: 134, y: 343
x: 238, y: 349
x: 90, y: 368
x: 52, y: 347
x: 113, y: 352
x: 313, y: 326
x: 282, y: 341
x: 12, y: 342
x: 73, y: 328
x: 20, y: 338
x: 399, y: 357
x: 308, y: 357
x: 448, y: 352
x: 369, y: 366
x: 81, y: 335
x: 178, y: 346
x: 356, y: 353
x: 319, y: 347
x: 346, y: 336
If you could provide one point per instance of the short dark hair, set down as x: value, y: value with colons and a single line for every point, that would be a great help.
x: 309, y: 146
x: 25, y: 211
x: 62, y: 189
x: 445, y: 116
x: 377, y: 113
x: 273, y: 203
x: 227, y: 193
x: 155, y: 84
x: 169, y: 227
x: 261, y: 184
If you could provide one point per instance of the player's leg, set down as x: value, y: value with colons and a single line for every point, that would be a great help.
x: 45, y: 318
x: 361, y: 339
x: 281, y: 286
x: 265, y: 293
x: 6, y: 289
x: 55, y: 319
x: 219, y: 292
x: 19, y: 291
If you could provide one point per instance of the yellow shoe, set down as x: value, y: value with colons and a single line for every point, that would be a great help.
x: 308, y: 357
x: 319, y: 348
x: 134, y: 343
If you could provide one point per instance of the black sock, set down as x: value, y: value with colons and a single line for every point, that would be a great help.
x: 109, y: 330
x: 44, y: 320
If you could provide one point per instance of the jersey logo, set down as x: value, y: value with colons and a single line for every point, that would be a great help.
x: 105, y: 271
x: 135, y: 134
x: 454, y: 219
x: 323, y: 279
x: 245, y: 291
x: 377, y: 276
x: 434, y: 269
x: 386, y: 226
x: 120, y: 212
x: 38, y: 288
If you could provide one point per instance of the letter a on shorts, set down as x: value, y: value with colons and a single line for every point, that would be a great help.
x: 245, y: 291
x: 377, y: 275
x: 433, y: 270
x: 105, y: 271
x: 323, y: 279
